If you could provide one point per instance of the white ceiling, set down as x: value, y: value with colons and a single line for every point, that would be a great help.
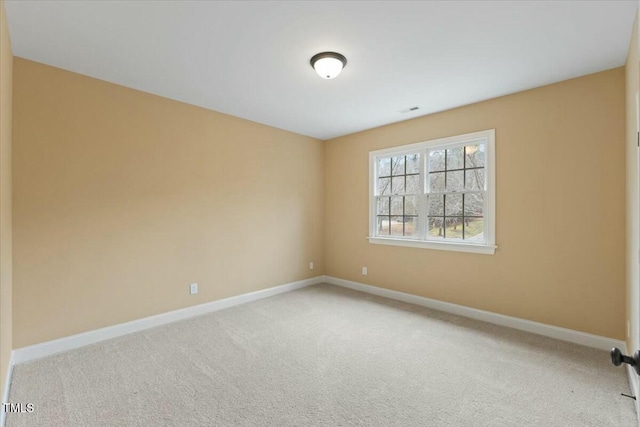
x: 251, y: 59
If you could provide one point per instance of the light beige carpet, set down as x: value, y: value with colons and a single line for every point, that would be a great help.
x: 325, y: 356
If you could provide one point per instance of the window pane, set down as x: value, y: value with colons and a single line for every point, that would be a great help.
x: 383, y: 225
x: 474, y: 204
x: 411, y: 226
x: 396, y: 205
x: 455, y: 181
x: 474, y: 229
x: 383, y: 206
x: 413, y: 184
x: 454, y: 227
x: 413, y: 163
x: 475, y: 155
x: 397, y: 184
x: 384, y: 186
x: 384, y: 166
x: 436, y: 160
x: 411, y: 205
x: 397, y: 226
x: 436, y: 182
x: 397, y: 165
x: 454, y: 158
x: 474, y: 179
x: 435, y: 228
x: 436, y: 205
x: 453, y: 204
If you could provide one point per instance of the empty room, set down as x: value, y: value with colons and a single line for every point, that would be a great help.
x: 319, y: 213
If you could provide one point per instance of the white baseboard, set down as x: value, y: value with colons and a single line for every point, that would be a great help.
x: 634, y: 384
x: 5, y: 392
x: 564, y: 334
x: 49, y: 348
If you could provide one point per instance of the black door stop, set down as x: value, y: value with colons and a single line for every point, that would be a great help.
x: 617, y: 358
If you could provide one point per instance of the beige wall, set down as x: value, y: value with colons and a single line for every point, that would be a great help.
x: 560, y: 200
x: 633, y: 296
x: 122, y: 198
x: 6, y: 89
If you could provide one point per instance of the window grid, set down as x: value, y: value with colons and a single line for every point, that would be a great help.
x: 389, y: 197
x: 444, y: 194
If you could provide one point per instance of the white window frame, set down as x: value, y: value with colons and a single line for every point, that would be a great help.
x: 488, y: 247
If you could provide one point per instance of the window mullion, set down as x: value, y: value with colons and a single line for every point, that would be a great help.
x: 389, y: 223
x: 424, y: 187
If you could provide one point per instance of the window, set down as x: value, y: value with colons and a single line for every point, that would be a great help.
x: 436, y: 194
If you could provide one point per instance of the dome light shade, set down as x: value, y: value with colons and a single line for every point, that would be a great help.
x: 328, y: 64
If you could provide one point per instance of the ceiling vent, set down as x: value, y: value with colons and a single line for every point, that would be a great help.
x: 410, y: 109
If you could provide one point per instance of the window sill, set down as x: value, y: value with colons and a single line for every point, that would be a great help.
x: 442, y: 246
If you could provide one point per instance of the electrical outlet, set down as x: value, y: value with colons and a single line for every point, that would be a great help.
x: 311, y: 266
x: 193, y: 288
x: 364, y: 271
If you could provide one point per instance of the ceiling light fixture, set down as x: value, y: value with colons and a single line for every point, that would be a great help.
x: 328, y: 64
